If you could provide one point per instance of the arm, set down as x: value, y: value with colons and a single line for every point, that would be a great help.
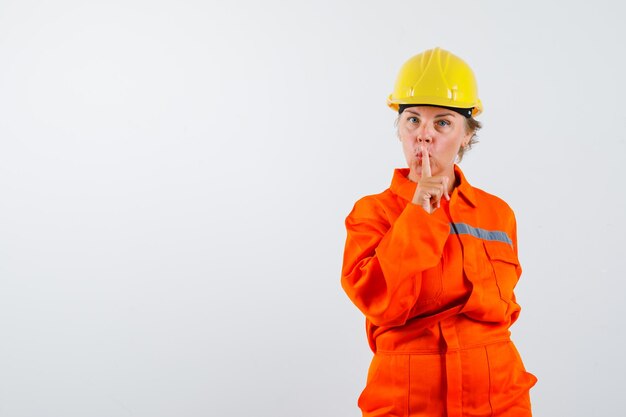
x: 383, y: 263
x: 518, y: 268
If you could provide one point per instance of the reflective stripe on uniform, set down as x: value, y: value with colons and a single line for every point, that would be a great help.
x: 466, y: 229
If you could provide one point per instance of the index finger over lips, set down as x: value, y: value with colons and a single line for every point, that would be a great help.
x: 425, y: 163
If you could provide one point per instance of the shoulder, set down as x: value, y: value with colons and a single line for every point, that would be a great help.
x: 494, y: 212
x: 374, y: 205
x: 490, y: 200
x: 484, y: 201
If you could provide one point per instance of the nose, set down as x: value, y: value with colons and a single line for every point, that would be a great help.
x: 424, y: 139
x: 424, y: 135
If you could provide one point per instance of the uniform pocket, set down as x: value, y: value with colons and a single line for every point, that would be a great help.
x: 387, y: 386
x: 509, y: 382
x: 505, y: 267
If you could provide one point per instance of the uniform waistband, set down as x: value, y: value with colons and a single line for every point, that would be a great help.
x: 447, y: 335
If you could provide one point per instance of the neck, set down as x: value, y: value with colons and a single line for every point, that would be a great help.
x: 453, y: 181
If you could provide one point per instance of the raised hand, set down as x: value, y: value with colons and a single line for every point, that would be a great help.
x: 429, y: 189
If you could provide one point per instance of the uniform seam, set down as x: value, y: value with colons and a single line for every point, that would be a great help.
x: 462, y: 390
x: 489, y: 379
x: 408, y: 396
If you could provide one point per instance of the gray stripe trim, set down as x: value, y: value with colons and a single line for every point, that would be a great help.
x: 466, y: 229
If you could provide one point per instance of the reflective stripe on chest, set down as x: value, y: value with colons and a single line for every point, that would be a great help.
x: 466, y: 229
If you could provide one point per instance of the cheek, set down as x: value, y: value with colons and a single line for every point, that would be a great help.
x: 404, y: 139
x: 406, y: 148
x: 450, y: 149
x: 403, y: 134
x: 408, y: 151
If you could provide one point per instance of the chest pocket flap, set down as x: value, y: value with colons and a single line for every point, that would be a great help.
x: 506, y: 267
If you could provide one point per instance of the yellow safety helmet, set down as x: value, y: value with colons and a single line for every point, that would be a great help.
x: 439, y: 78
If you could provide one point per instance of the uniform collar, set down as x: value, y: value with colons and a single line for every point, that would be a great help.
x: 405, y: 188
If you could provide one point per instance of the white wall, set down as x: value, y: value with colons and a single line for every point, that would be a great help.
x: 174, y: 177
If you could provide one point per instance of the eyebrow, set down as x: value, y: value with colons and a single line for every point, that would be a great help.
x: 439, y: 115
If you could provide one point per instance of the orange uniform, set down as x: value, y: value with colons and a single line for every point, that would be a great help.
x: 437, y: 293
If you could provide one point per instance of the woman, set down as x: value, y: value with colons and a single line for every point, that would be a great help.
x: 432, y: 263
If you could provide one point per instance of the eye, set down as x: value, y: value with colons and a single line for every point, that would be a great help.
x: 412, y: 119
x: 443, y: 123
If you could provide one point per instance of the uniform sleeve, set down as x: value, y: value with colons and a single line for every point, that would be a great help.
x: 514, y: 240
x: 383, y: 263
x: 518, y: 267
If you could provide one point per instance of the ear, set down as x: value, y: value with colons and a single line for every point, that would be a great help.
x: 466, y: 139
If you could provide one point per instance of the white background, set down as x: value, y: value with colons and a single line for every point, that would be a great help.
x: 174, y: 176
